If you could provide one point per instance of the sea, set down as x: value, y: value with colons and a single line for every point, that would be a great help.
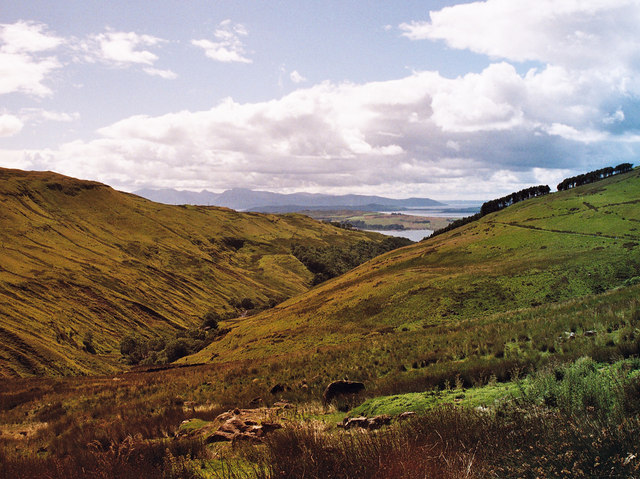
x: 454, y: 209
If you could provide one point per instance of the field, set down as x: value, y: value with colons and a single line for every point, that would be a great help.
x: 380, y: 221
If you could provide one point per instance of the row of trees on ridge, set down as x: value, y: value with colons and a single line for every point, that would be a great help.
x: 593, y: 176
x: 500, y: 203
x: 496, y: 205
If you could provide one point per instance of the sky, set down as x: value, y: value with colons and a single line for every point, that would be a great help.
x: 433, y: 98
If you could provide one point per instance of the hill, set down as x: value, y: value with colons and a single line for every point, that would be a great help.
x: 268, y: 202
x: 82, y: 265
x: 549, y: 249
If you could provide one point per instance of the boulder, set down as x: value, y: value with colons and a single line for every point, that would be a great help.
x: 368, y: 423
x: 234, y: 428
x: 278, y: 388
x: 341, y: 388
x: 406, y: 415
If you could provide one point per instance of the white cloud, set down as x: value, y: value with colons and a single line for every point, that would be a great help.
x: 228, y: 46
x: 482, y: 134
x: 27, y: 37
x: 122, y: 48
x: 25, y: 61
x: 10, y: 125
x: 296, y: 77
x: 420, y: 130
x: 166, y: 74
x: 577, y: 34
x: 39, y: 115
x: 616, y: 117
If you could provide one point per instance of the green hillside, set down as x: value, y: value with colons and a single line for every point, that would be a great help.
x: 80, y: 259
x: 545, y: 250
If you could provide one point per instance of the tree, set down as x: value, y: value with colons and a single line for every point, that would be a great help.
x: 211, y: 319
x: 246, y: 303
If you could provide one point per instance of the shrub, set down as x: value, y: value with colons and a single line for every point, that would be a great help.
x: 246, y: 303
x: 177, y: 349
x: 211, y: 320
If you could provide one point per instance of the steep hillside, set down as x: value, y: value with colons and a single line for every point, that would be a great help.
x: 544, y: 250
x: 80, y: 261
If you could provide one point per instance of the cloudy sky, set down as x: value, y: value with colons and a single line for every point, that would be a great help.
x: 432, y: 98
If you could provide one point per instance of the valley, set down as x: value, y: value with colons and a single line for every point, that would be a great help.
x: 81, y: 262
x: 513, y: 338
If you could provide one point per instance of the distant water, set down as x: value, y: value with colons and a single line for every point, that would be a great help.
x: 413, y: 235
x: 456, y: 210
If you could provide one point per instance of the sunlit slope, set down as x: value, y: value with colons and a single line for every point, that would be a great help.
x: 547, y: 249
x: 78, y: 257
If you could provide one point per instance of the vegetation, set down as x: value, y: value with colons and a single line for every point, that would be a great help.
x: 331, y: 261
x: 82, y: 266
x: 500, y: 203
x: 368, y: 220
x: 516, y: 339
x: 538, y: 252
x: 593, y: 176
x: 496, y: 205
x: 570, y: 414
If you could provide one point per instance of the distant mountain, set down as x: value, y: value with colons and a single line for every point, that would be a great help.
x: 265, y: 201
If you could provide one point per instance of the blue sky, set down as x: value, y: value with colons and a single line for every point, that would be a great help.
x: 442, y: 99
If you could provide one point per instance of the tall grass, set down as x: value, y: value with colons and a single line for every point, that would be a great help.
x: 589, y: 430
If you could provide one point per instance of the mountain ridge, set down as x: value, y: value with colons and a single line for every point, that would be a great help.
x: 250, y: 200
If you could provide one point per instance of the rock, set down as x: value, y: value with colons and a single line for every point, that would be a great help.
x: 377, y: 422
x: 406, y: 415
x: 268, y: 427
x: 220, y: 436
x: 235, y: 428
x: 340, y: 388
x: 369, y: 423
x: 278, y: 388
x: 348, y: 423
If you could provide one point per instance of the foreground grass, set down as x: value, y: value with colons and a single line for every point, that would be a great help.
x: 592, y: 432
x: 71, y: 424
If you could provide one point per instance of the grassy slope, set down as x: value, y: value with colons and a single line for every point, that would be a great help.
x: 78, y: 256
x: 548, y: 249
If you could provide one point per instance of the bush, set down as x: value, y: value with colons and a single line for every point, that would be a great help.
x: 177, y: 349
x: 211, y: 320
x: 246, y: 303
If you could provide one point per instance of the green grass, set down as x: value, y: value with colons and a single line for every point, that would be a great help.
x: 420, y: 402
x: 538, y: 252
